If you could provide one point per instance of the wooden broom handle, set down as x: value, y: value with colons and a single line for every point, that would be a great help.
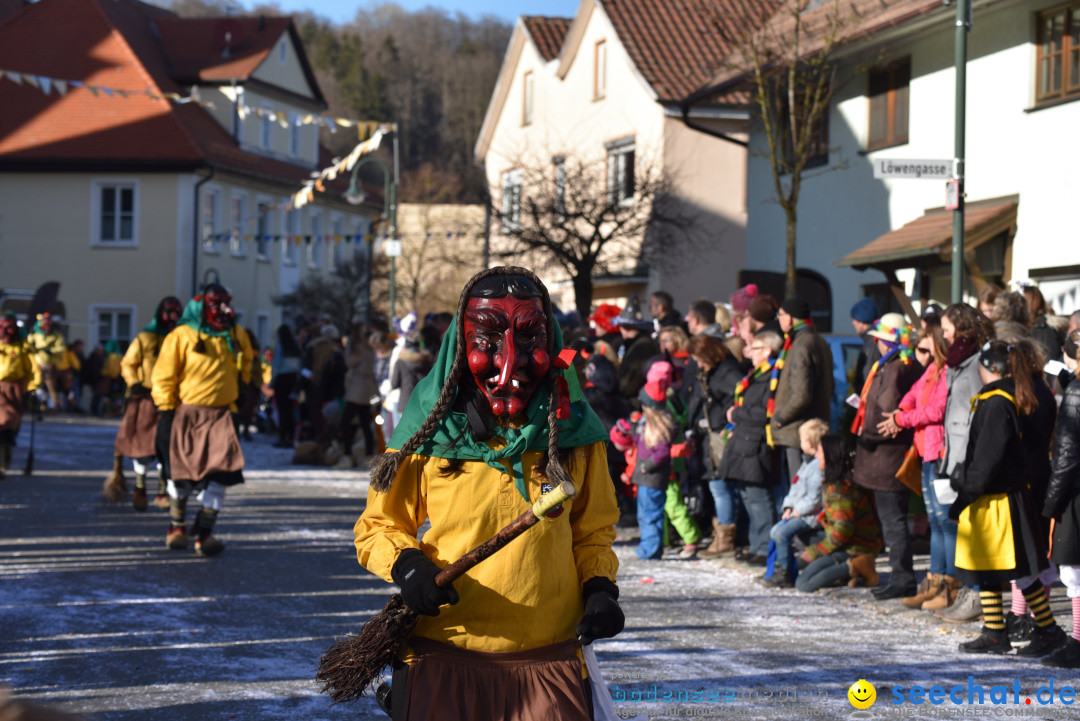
x: 563, y: 492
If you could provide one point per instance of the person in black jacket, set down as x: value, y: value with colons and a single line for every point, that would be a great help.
x: 999, y: 538
x: 718, y: 373
x: 1063, y: 506
x: 749, y: 460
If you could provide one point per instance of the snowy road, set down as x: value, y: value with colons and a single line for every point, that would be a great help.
x: 97, y: 617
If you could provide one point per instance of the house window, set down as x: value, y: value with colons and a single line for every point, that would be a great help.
x: 511, y: 201
x: 600, y: 70
x: 262, y: 232
x: 888, y: 95
x: 265, y: 127
x: 294, y: 135
x: 113, y: 323
x: 283, y: 51
x: 560, y: 188
x: 1058, y: 60
x: 238, y: 224
x: 527, y: 90
x: 337, y: 229
x: 620, y: 172
x: 818, y: 152
x: 314, y: 248
x: 290, y: 233
x: 115, y: 214
x: 262, y: 330
x: 211, y: 219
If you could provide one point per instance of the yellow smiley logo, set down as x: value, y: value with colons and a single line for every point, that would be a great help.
x: 862, y: 694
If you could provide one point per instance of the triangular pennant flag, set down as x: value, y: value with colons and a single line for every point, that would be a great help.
x: 46, y: 84
x: 121, y: 93
x: 61, y: 87
x: 32, y: 80
x: 75, y: 83
x: 107, y: 91
x: 15, y: 77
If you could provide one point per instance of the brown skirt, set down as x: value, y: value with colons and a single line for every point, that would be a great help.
x: 11, y: 405
x: 447, y: 683
x: 135, y: 439
x: 204, y: 444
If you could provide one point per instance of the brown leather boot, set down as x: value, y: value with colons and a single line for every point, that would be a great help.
x: 862, y: 571
x: 929, y: 588
x: 946, y: 595
x: 723, y: 541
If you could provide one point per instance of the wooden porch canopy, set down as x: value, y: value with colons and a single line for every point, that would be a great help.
x: 926, y: 242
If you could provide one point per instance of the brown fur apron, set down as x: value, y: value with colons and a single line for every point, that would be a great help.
x: 135, y: 439
x: 204, y: 444
x: 450, y: 684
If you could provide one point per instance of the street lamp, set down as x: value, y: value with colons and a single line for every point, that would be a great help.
x: 355, y: 196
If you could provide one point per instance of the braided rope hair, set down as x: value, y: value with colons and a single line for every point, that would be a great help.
x: 384, y: 468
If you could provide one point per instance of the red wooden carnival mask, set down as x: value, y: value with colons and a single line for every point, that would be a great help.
x: 216, y: 309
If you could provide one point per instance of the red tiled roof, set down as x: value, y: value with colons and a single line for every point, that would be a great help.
x: 194, y: 46
x: 547, y: 34
x: 857, y: 20
x: 110, y: 43
x: 931, y: 233
x: 674, y: 44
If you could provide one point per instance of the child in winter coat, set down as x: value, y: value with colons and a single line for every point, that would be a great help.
x: 999, y: 538
x: 852, y: 536
x: 652, y: 472
x: 801, y: 505
x: 1063, y: 506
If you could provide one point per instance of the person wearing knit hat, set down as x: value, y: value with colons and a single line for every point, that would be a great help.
x: 621, y: 434
x: 878, y: 455
x: 864, y: 315
x: 652, y: 473
x: 636, y: 350
x: 760, y: 315
x: 801, y: 386
x: 741, y: 298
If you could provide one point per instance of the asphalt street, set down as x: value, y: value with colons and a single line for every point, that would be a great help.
x: 98, y: 618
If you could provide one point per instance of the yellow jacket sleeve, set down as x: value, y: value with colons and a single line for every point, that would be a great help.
x: 166, y: 376
x: 391, y: 520
x: 592, y: 517
x: 247, y: 355
x: 131, y: 365
x: 33, y: 372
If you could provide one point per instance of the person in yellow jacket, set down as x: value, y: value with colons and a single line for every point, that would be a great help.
x: 196, y: 382
x: 492, y: 426
x: 18, y: 374
x: 138, y: 428
x: 49, y: 349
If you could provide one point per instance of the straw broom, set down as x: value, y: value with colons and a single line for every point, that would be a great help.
x: 352, y: 664
x: 115, y: 486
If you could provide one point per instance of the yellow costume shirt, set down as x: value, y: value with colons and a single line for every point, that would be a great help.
x: 210, y: 378
x: 16, y: 364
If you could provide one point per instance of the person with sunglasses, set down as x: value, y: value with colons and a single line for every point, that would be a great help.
x: 922, y: 409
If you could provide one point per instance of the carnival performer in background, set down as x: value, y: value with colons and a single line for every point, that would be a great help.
x: 493, y: 425
x: 196, y: 383
x: 138, y: 427
x: 18, y: 374
x: 49, y: 349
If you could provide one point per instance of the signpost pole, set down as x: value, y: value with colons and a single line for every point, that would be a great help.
x: 963, y: 11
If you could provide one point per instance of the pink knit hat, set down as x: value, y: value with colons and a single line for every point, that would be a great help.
x: 621, y: 434
x: 658, y: 380
x: 740, y: 299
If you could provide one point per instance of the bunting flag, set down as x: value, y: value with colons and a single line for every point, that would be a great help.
x: 47, y: 84
x: 307, y: 193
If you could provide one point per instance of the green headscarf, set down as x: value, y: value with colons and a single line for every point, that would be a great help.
x: 581, y: 429
x: 152, y: 326
x: 193, y: 318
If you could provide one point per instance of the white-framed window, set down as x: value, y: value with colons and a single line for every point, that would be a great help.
x: 337, y: 231
x: 210, y: 222
x: 527, y: 85
x: 262, y: 330
x: 511, y: 200
x: 290, y: 229
x: 113, y: 321
x: 266, y: 127
x: 262, y: 230
x: 294, y: 134
x: 620, y: 172
x: 114, y: 209
x: 600, y: 70
x: 239, y: 228
x: 315, y: 247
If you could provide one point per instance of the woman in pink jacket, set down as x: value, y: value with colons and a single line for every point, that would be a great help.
x: 923, y: 409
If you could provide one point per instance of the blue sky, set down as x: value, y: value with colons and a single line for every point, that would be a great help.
x: 345, y: 10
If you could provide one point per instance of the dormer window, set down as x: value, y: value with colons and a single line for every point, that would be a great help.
x: 527, y: 92
x: 600, y: 70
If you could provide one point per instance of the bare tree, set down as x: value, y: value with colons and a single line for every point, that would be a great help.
x: 591, y: 218
x: 341, y: 295
x: 786, y: 64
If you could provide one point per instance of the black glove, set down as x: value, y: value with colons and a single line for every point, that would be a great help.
x: 138, y: 390
x: 603, y: 617
x: 415, y: 573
